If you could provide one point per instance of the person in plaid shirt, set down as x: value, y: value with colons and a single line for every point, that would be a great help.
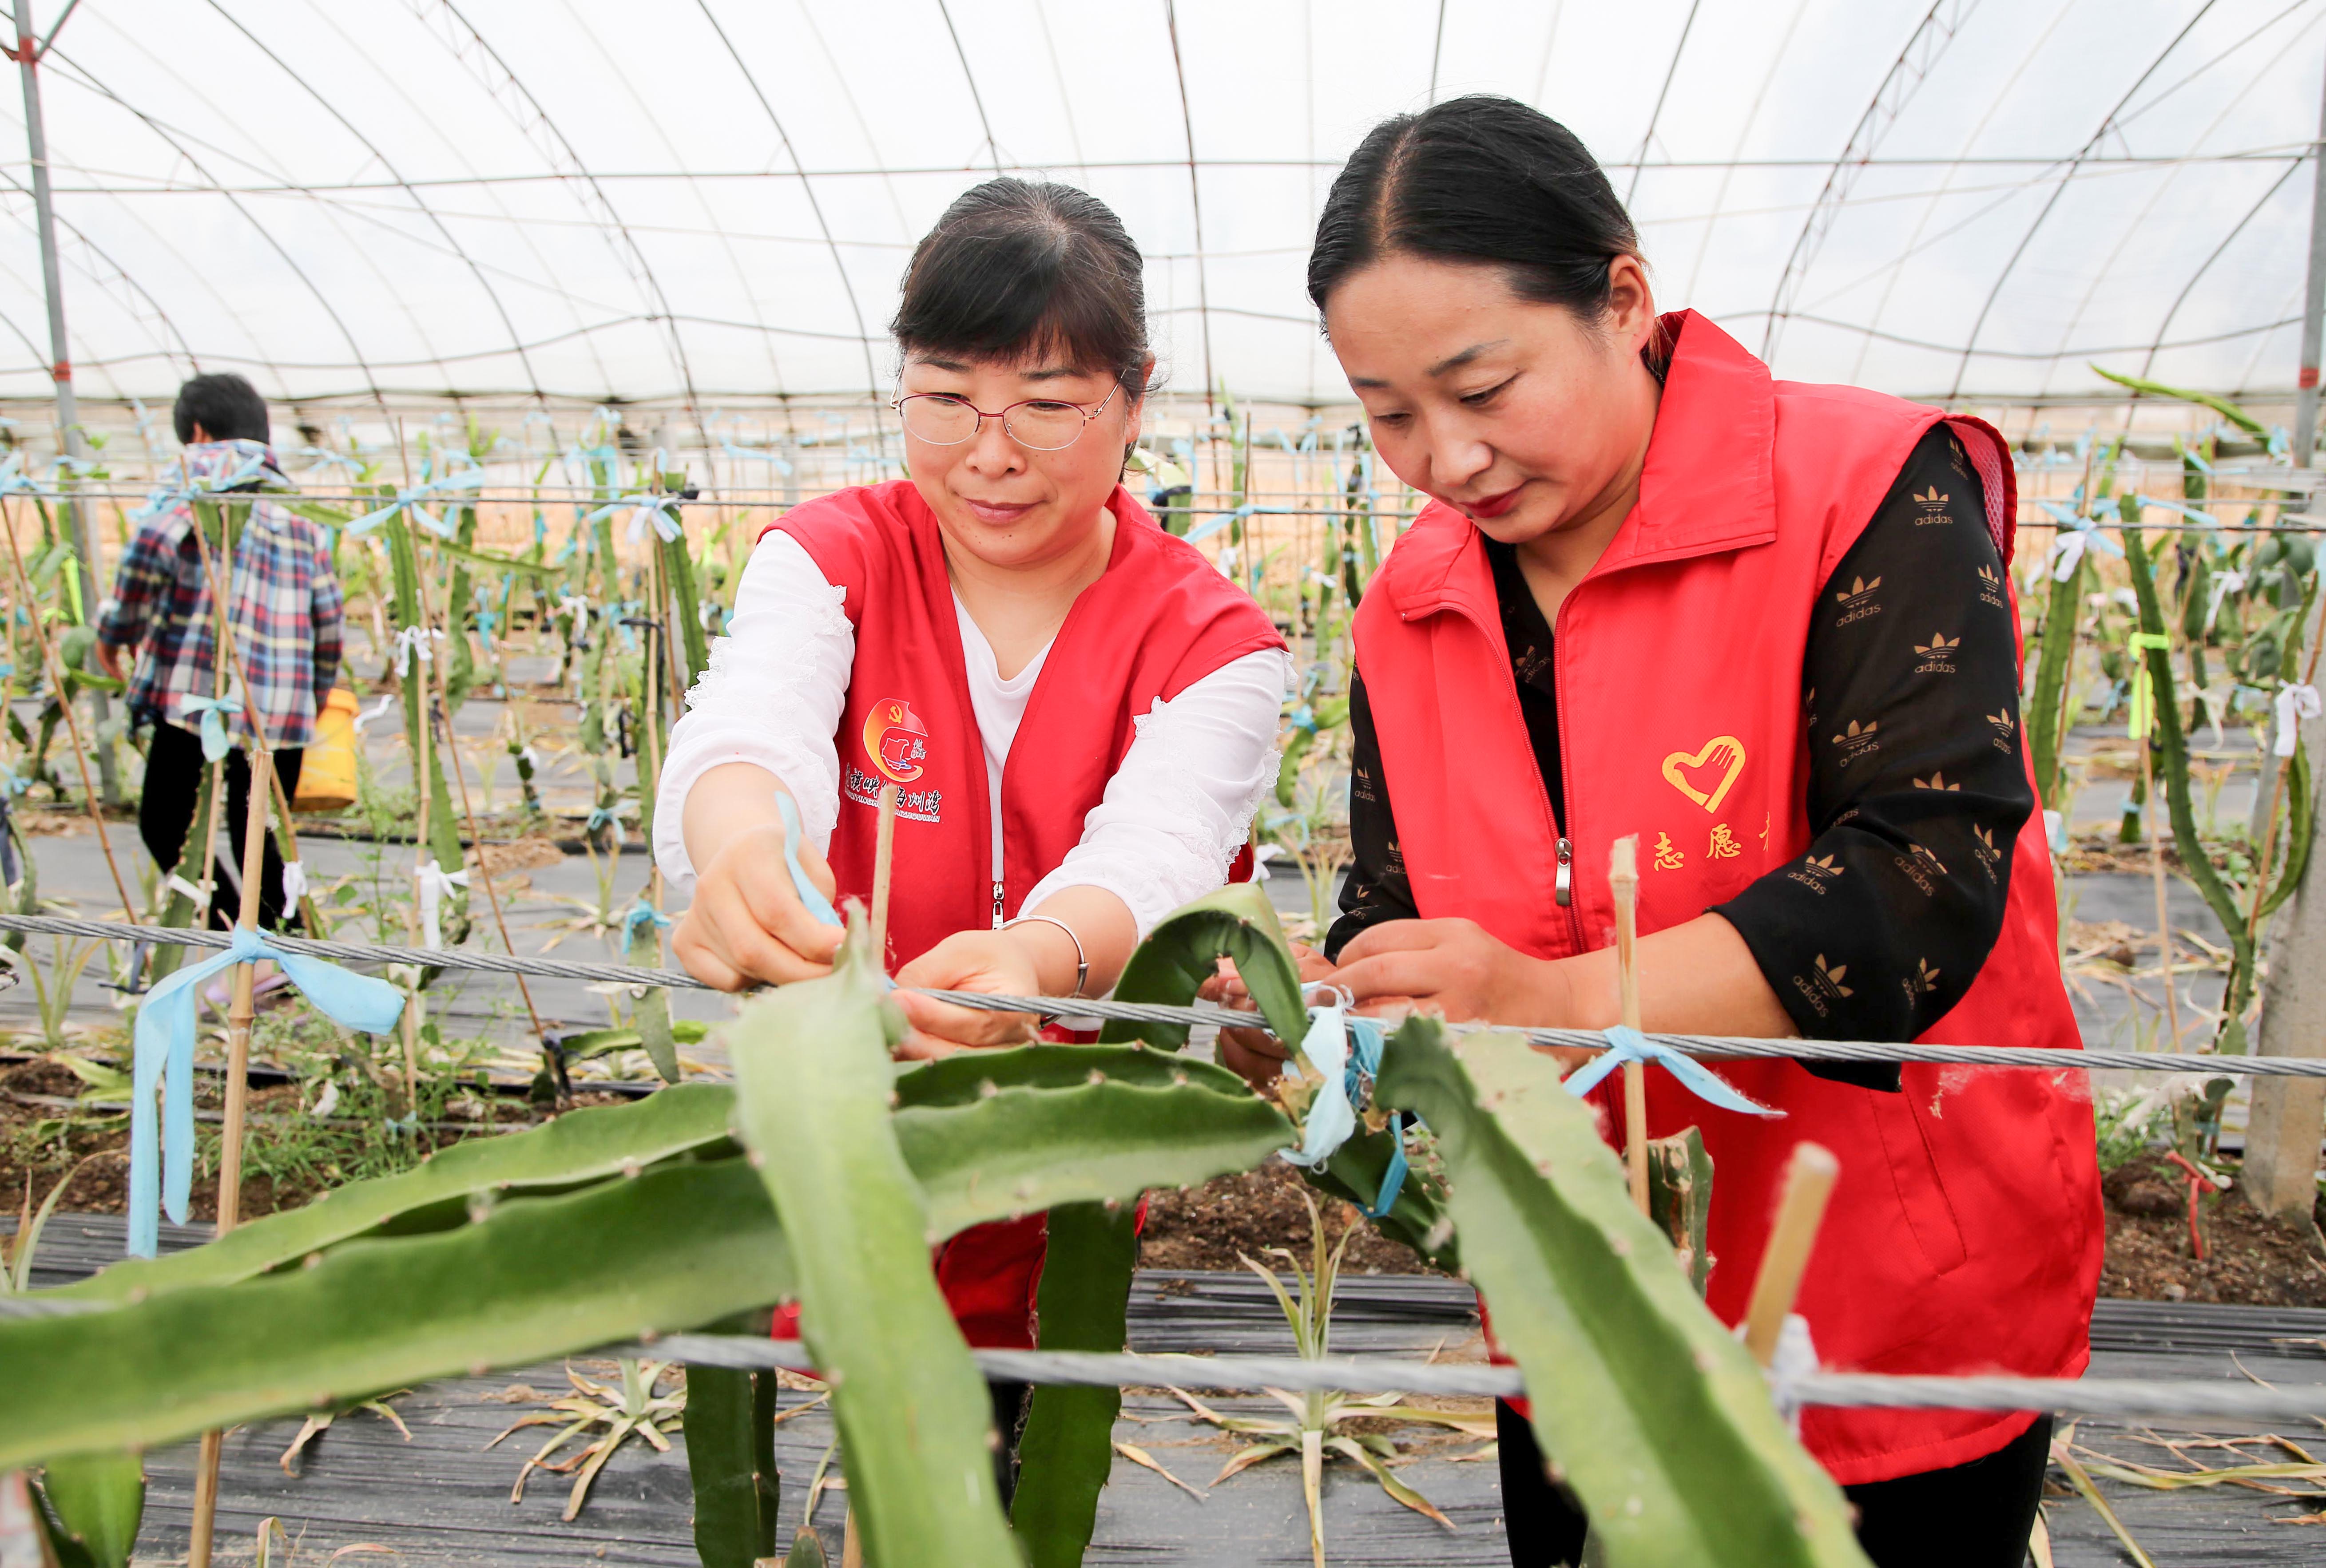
x: 282, y: 608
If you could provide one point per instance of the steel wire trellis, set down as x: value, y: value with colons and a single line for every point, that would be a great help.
x: 2117, y: 1397
x: 1715, y: 1046
x: 1386, y: 1374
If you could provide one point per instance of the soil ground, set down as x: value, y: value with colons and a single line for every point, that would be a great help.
x: 2249, y: 1259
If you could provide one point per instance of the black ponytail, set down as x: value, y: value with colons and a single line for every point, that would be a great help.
x: 1477, y: 179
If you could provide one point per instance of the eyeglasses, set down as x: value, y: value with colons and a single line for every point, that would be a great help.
x: 1041, y: 424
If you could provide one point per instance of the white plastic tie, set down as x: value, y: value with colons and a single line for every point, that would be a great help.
x: 435, y: 884
x: 1796, y: 1360
x: 412, y: 643
x: 2294, y: 704
x: 294, y: 883
x: 180, y: 885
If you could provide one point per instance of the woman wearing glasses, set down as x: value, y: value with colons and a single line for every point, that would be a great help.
x: 1079, y: 713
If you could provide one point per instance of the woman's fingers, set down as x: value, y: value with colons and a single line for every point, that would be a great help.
x: 764, y: 884
x: 916, y: 1046
x: 965, y: 1025
x: 697, y: 958
x: 818, y: 869
x: 1391, y: 936
x: 1410, y: 974
x: 1244, y: 1053
x: 1225, y: 987
x: 721, y: 926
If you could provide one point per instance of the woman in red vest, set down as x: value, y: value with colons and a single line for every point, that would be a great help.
x: 1078, y: 710
x: 1767, y: 628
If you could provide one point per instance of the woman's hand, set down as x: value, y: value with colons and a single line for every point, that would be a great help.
x: 1455, y: 968
x: 1255, y: 1055
x: 992, y: 961
x: 747, y: 925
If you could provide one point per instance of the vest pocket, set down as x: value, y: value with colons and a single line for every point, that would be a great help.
x: 1914, y: 1171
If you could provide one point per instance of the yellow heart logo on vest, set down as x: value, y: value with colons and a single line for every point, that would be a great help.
x: 1723, y: 755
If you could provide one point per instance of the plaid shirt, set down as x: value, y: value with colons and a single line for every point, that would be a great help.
x: 284, y: 609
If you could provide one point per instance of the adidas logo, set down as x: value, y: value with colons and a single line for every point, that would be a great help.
x: 1936, y: 780
x: 1859, y: 587
x: 1982, y: 845
x: 1934, y: 507
x: 1933, y: 498
x: 1857, y: 740
x: 1940, y: 644
x: 1831, y: 975
x: 1816, y: 871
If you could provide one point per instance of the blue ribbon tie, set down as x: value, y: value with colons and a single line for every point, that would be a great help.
x: 811, y: 896
x: 641, y: 913
x: 1346, y: 1048
x: 162, y: 1156
x: 1627, y: 1045
x: 212, y: 710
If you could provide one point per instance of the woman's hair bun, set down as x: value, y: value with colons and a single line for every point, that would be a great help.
x: 1021, y: 271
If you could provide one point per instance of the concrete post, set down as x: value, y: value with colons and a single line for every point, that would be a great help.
x: 2289, y: 1114
x: 2288, y: 1118
x: 2313, y: 310
x: 70, y: 436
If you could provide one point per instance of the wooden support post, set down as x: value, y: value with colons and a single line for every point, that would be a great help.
x: 1808, y: 1183
x: 1624, y: 883
x: 422, y: 850
x: 239, y: 1014
x: 884, y: 850
x: 2288, y: 1118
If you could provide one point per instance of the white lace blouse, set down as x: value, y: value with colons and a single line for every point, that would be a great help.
x: 1173, y: 815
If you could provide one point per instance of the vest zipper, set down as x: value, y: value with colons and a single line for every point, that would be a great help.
x: 1563, y: 809
x: 999, y: 888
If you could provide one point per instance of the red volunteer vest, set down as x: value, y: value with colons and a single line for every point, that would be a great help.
x: 1965, y: 1235
x: 1159, y: 619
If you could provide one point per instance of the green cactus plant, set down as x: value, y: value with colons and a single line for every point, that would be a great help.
x: 913, y: 1413
x: 497, y: 1253
x: 1658, y: 1419
x: 1067, y: 1449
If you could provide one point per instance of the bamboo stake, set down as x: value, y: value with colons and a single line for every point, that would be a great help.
x: 239, y: 1014
x: 453, y: 749
x: 420, y: 834
x: 1808, y: 1183
x: 2156, y: 868
x: 50, y: 667
x: 239, y: 1011
x: 1623, y: 882
x: 884, y: 850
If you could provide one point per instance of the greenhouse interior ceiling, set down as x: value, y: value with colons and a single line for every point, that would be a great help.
x: 579, y: 200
